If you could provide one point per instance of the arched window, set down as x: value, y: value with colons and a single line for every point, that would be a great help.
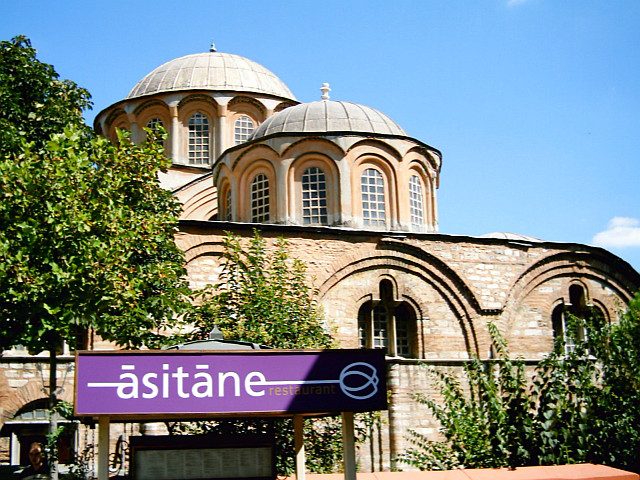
x: 153, y: 125
x: 373, y: 201
x: 385, y: 323
x: 416, y: 203
x: 314, y: 197
x: 227, y: 205
x: 570, y: 320
x: 243, y: 128
x: 260, y: 199
x: 198, y: 139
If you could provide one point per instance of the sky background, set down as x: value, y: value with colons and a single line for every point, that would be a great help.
x: 534, y: 104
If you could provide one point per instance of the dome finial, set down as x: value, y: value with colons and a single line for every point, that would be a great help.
x: 325, y: 91
x: 212, y: 48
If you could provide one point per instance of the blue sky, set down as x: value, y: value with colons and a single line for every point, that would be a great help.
x: 534, y: 104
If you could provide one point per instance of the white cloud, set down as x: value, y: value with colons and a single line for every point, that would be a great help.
x: 621, y: 232
x: 513, y: 3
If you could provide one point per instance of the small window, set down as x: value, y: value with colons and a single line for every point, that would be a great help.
x: 260, y: 199
x: 373, y: 201
x: 314, y: 197
x: 416, y: 203
x: 387, y: 324
x: 227, y: 205
x: 153, y: 125
x: 198, y: 139
x: 243, y: 128
x: 571, y: 321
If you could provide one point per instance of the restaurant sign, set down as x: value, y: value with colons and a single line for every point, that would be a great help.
x: 203, y: 383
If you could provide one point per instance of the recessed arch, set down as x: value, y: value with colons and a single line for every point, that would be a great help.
x: 258, y: 185
x: 313, y: 184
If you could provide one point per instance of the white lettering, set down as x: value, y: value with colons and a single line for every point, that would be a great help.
x: 133, y: 385
x: 206, y: 384
x: 146, y: 381
x: 180, y: 376
x: 221, y: 378
x: 165, y: 381
x: 248, y: 383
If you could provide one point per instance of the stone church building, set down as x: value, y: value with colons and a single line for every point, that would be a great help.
x: 355, y: 197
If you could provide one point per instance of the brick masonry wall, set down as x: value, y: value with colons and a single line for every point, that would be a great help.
x: 455, y: 285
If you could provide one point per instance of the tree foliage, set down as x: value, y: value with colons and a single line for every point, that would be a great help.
x: 87, y: 240
x: 262, y: 296
x: 34, y: 102
x: 578, y: 407
x: 86, y: 231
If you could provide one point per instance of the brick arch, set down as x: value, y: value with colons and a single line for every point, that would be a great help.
x: 570, y: 268
x: 403, y: 259
x: 31, y: 392
x: 199, y: 248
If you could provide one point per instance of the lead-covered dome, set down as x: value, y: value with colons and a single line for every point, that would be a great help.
x: 211, y: 71
x: 327, y: 116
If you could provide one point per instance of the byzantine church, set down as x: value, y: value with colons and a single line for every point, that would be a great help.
x: 355, y: 197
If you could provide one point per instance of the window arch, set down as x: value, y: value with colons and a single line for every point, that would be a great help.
x: 260, y: 212
x: 416, y: 203
x: 225, y: 212
x: 314, y: 197
x: 153, y: 124
x: 569, y: 332
x: 373, y: 200
x: 388, y: 324
x: 228, y: 216
x: 198, y: 127
x: 242, y: 128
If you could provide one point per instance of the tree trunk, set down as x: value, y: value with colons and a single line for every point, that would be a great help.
x: 53, y: 416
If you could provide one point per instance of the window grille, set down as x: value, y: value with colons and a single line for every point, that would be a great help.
x: 314, y: 197
x: 260, y: 199
x: 227, y: 206
x: 416, y: 203
x: 373, y: 201
x: 198, y: 139
x: 243, y: 128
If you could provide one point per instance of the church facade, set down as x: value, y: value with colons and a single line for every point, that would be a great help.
x: 355, y: 197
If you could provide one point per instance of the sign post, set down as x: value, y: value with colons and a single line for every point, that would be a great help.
x: 191, y: 385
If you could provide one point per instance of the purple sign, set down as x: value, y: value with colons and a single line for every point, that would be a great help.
x: 208, y: 383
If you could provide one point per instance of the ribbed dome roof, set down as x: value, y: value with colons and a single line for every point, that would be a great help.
x: 328, y: 116
x: 511, y: 236
x: 211, y: 71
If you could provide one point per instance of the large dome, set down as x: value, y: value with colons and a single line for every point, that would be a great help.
x: 211, y: 71
x: 326, y: 116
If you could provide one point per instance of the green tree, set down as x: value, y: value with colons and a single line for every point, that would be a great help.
x: 86, y: 243
x: 34, y: 102
x: 580, y: 406
x: 263, y: 296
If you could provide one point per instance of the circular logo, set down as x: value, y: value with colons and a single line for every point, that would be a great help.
x: 359, y: 380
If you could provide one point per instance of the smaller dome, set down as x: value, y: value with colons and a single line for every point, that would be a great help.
x: 211, y: 71
x: 511, y: 236
x: 326, y: 116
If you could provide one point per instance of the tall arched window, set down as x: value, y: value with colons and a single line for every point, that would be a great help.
x: 573, y: 332
x: 227, y: 205
x: 242, y: 129
x: 260, y: 199
x: 314, y: 197
x: 386, y: 323
x: 416, y: 203
x: 153, y: 125
x: 198, y: 139
x: 373, y: 198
